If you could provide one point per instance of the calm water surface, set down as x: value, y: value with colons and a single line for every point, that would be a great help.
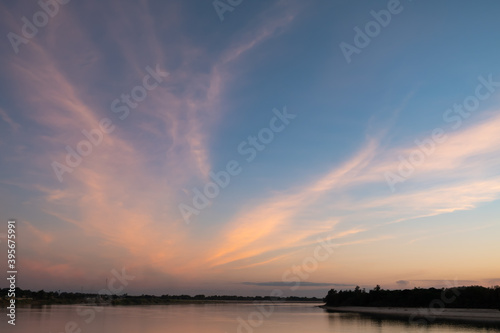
x: 208, y: 318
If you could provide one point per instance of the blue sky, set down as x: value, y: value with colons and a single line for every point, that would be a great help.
x: 332, y: 173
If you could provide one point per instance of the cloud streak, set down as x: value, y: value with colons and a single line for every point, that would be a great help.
x: 271, y: 225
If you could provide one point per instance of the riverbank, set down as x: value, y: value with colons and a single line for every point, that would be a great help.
x: 28, y: 297
x: 137, y: 301
x: 468, y: 315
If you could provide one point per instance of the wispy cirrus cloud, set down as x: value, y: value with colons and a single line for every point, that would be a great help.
x: 272, y: 225
x: 123, y: 194
x: 5, y: 117
x: 123, y: 197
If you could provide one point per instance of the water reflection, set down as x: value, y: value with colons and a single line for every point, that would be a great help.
x: 373, y: 323
x: 211, y: 318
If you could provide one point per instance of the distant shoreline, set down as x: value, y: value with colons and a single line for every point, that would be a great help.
x: 487, y: 316
x: 38, y: 298
x: 27, y: 303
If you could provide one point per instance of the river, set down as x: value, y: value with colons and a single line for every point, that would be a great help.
x: 211, y: 318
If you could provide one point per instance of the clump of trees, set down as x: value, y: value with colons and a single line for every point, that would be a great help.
x: 53, y: 297
x: 477, y: 297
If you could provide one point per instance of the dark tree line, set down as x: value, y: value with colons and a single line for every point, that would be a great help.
x: 51, y: 297
x: 461, y: 297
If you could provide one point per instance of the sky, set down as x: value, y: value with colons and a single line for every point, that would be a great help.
x: 240, y: 147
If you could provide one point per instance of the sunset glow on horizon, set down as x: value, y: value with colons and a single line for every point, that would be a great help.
x: 210, y: 151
